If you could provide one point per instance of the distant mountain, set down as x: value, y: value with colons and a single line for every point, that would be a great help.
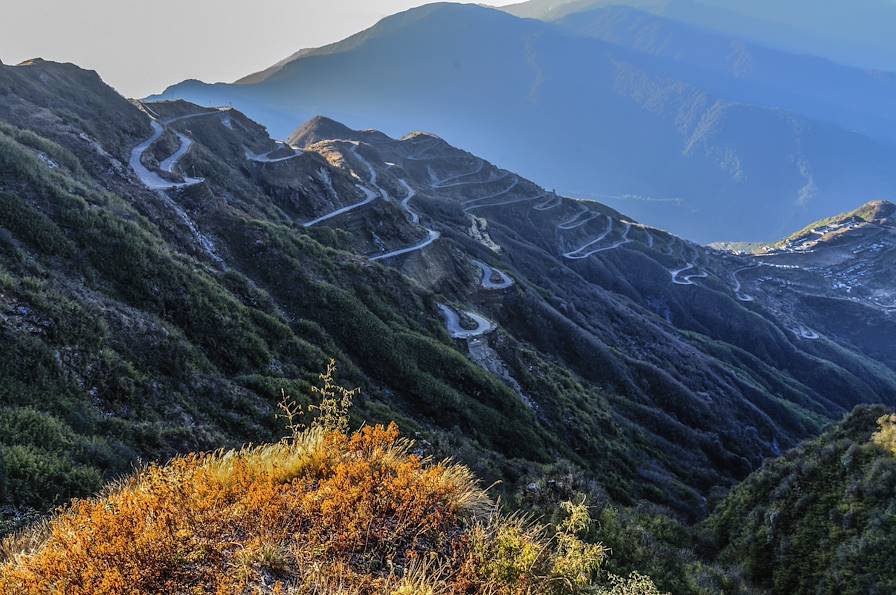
x: 738, y: 69
x: 640, y: 131
x: 858, y: 32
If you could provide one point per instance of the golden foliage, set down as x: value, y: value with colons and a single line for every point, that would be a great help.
x: 322, y: 512
x: 886, y: 436
x: 347, y: 502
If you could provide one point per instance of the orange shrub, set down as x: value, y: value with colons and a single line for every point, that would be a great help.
x: 212, y: 523
x: 322, y: 512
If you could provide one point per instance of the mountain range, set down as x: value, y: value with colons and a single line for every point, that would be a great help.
x: 853, y: 33
x: 253, y: 258
x: 168, y: 271
x: 710, y: 136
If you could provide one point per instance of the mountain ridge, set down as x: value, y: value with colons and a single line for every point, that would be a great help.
x: 802, y: 27
x: 852, y: 98
x: 630, y: 135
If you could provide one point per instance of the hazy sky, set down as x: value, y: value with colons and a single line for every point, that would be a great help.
x: 140, y: 47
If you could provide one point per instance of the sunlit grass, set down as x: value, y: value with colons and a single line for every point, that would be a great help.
x: 323, y: 511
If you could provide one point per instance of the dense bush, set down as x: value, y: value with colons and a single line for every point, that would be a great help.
x: 885, y: 437
x: 821, y: 519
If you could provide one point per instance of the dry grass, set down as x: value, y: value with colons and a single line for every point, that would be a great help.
x: 323, y: 512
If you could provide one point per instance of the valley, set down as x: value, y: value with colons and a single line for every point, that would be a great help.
x: 692, y: 364
x: 175, y: 275
x: 556, y: 297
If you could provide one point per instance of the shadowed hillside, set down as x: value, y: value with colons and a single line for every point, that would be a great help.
x: 854, y: 33
x: 820, y: 519
x: 164, y: 279
x: 736, y: 68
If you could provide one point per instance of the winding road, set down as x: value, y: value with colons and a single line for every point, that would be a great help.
x: 737, y: 285
x: 512, y: 201
x: 513, y: 185
x: 151, y: 179
x: 577, y: 253
x: 405, y: 202
x: 489, y: 272
x: 482, y: 201
x: 443, y: 183
x: 374, y: 179
x: 469, y: 205
x: 217, y: 112
x: 491, y: 180
x: 155, y: 182
x: 452, y: 321
x: 265, y: 157
x: 432, y: 236
x: 554, y: 201
x: 170, y: 163
x: 686, y: 279
x: 578, y: 220
x: 621, y: 242
x: 370, y: 197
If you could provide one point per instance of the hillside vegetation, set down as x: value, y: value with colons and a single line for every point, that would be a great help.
x: 621, y: 368
x: 822, y: 518
x: 120, y: 340
x: 327, y: 510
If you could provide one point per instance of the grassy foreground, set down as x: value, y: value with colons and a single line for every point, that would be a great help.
x: 323, y: 511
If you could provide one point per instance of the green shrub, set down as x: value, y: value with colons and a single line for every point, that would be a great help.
x: 819, y: 519
x: 28, y: 426
x: 34, y: 477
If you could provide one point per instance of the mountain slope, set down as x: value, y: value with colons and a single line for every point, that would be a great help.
x: 741, y: 70
x: 854, y: 33
x: 129, y: 330
x: 637, y: 131
x: 163, y: 279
